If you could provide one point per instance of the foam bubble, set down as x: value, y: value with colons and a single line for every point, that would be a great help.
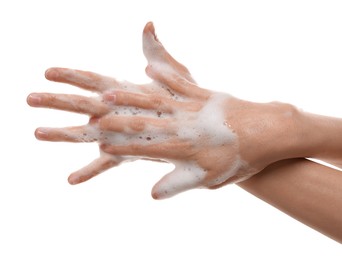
x: 209, y: 122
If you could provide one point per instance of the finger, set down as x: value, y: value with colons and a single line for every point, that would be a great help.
x: 151, y: 102
x: 72, y: 103
x: 180, y: 84
x: 156, y: 53
x: 155, y: 102
x: 133, y: 124
x: 151, y: 148
x: 154, y: 97
x: 74, y: 134
x: 96, y: 167
x: 182, y: 178
x: 83, y: 79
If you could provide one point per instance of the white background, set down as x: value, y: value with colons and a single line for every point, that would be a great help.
x: 257, y: 50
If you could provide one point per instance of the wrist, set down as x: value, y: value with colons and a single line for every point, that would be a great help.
x: 285, y: 133
x: 267, y: 132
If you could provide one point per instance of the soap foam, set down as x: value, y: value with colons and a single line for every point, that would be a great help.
x: 186, y: 175
x: 204, y: 128
x: 208, y: 123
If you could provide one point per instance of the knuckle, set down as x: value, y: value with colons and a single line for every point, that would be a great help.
x: 104, y: 124
x: 120, y: 98
x: 83, y: 103
x: 49, y: 100
x: 156, y: 101
x: 137, y: 124
x: 181, y: 82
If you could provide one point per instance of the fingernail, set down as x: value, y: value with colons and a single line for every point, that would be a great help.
x: 155, y: 195
x: 41, y: 133
x: 51, y: 74
x: 73, y: 180
x: 34, y: 99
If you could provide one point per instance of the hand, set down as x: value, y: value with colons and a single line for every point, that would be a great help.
x: 211, y: 138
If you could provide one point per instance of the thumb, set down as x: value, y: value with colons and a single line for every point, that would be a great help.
x: 155, y: 52
x: 152, y: 47
x: 184, y: 177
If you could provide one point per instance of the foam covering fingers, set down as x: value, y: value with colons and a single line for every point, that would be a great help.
x: 101, y: 164
x: 132, y: 125
x: 155, y: 150
x: 144, y: 101
x: 179, y: 180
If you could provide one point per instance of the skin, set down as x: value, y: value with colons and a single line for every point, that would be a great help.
x: 305, y: 190
x: 263, y: 134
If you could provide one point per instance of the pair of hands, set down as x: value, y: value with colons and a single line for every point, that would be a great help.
x: 211, y: 138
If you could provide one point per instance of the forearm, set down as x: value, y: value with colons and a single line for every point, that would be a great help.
x: 323, y: 137
x: 305, y: 190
